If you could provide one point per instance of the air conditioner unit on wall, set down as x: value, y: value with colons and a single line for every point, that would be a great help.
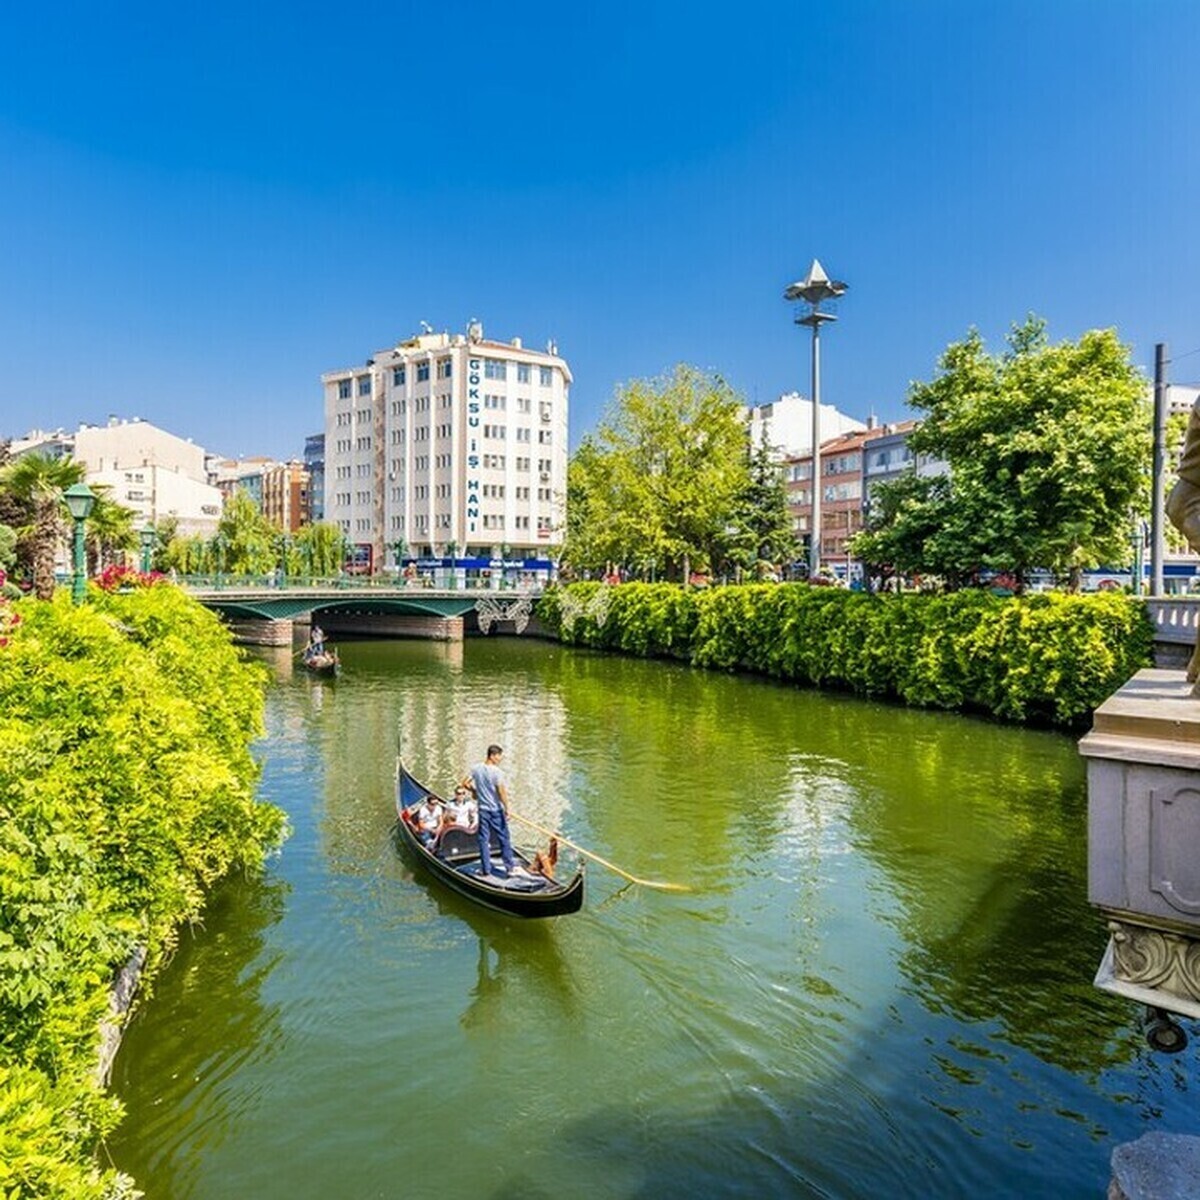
x: 545, y: 476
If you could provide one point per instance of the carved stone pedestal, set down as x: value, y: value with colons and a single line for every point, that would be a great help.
x: 1143, y: 758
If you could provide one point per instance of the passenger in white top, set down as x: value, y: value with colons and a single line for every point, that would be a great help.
x: 429, y: 820
x: 461, y: 811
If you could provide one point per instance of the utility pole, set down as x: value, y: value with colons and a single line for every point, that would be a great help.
x: 1157, y: 483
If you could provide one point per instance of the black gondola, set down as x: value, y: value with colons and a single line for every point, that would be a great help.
x: 454, y: 859
x: 324, y: 662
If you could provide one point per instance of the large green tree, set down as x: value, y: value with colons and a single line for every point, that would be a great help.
x: 34, y: 484
x: 660, y: 480
x: 1048, y: 447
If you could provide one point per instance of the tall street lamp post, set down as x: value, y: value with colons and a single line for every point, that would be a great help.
x: 148, y: 537
x: 80, y: 500
x: 814, y: 290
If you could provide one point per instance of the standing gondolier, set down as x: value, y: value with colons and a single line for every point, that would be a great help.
x: 487, y: 781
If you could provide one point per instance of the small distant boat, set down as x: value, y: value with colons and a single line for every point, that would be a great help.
x: 454, y: 860
x: 324, y: 662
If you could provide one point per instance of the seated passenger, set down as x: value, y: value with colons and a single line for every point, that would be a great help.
x: 462, y: 810
x: 429, y: 820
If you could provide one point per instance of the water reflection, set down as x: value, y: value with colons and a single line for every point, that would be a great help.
x: 187, y: 1052
x: 880, y: 976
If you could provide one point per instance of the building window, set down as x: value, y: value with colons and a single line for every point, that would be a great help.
x: 422, y: 372
x: 495, y: 368
x: 364, y: 385
x: 522, y: 522
x: 545, y: 437
x: 494, y: 402
x: 495, y: 432
x: 344, y: 389
x: 443, y: 368
x: 522, y: 464
x: 522, y: 372
x: 397, y: 377
x: 522, y: 435
x: 523, y: 404
x: 494, y: 462
x: 545, y: 376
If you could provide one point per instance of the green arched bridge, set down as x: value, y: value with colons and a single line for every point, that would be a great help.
x: 350, y: 599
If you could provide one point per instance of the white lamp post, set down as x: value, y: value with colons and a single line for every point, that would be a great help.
x: 816, y: 288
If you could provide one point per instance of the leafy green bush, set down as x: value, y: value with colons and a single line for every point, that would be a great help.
x: 1048, y: 658
x: 126, y: 790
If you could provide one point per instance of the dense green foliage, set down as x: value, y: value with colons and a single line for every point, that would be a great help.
x: 33, y: 486
x: 1048, y: 448
x: 662, y: 485
x: 126, y: 791
x: 1047, y: 658
x: 246, y: 543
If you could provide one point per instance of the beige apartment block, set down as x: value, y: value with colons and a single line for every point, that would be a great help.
x: 449, y: 443
x: 145, y: 468
x: 285, y: 499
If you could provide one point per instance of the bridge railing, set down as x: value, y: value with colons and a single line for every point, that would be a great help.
x: 352, y: 583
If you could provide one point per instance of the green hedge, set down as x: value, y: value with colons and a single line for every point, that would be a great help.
x: 1042, y: 659
x: 127, y: 789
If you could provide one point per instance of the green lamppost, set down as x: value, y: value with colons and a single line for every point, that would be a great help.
x: 80, y: 500
x: 148, y: 536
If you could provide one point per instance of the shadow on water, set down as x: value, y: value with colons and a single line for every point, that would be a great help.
x: 205, y: 1022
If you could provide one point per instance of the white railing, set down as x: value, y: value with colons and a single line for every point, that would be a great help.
x: 1175, y: 618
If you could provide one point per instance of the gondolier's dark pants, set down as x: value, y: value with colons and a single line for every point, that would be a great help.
x: 494, y: 820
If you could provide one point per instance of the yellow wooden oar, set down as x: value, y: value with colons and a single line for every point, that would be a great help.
x: 566, y: 841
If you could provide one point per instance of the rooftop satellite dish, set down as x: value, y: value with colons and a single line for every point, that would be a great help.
x: 426, y: 327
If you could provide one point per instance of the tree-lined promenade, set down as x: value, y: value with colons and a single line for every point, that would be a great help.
x: 1047, y: 448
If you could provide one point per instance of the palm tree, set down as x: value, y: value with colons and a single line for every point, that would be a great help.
x: 110, y: 530
x: 36, y: 482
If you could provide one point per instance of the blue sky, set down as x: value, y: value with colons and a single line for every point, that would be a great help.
x: 205, y: 206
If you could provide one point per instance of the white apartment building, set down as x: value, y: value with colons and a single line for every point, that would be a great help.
x: 145, y: 468
x: 786, y: 424
x: 451, y: 445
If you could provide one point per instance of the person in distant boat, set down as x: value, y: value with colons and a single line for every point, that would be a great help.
x: 316, y: 640
x: 429, y: 820
x: 461, y: 811
x: 487, y: 781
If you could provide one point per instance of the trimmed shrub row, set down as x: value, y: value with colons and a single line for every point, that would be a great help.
x: 1050, y: 658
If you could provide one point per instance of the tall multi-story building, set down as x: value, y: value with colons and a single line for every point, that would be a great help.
x: 314, y: 462
x: 851, y: 467
x: 449, y: 445
x: 285, y: 495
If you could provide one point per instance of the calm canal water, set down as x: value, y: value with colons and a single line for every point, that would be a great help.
x: 878, y: 985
